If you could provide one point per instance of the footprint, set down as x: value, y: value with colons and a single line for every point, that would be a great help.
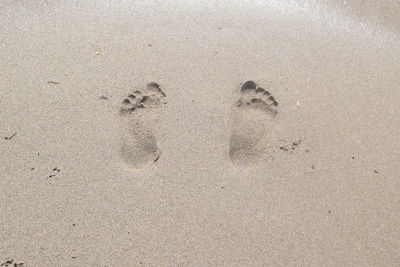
x: 139, y: 113
x: 253, y: 119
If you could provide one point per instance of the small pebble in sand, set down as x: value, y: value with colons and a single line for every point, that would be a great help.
x: 97, y: 53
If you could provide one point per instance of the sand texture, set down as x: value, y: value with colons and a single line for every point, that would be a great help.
x: 199, y: 133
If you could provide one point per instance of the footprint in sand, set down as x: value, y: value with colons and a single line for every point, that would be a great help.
x: 139, y: 114
x: 253, y: 119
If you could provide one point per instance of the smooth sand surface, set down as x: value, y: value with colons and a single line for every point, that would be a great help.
x: 313, y: 182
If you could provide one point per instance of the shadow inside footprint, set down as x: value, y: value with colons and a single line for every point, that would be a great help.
x: 139, y: 113
x: 253, y: 119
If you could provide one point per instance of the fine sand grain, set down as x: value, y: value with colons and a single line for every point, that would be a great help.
x: 199, y: 133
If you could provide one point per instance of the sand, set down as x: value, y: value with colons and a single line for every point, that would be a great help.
x: 194, y: 178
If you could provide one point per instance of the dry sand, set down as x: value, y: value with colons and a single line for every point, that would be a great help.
x: 313, y: 181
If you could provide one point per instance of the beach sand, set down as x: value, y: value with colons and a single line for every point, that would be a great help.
x: 133, y: 133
